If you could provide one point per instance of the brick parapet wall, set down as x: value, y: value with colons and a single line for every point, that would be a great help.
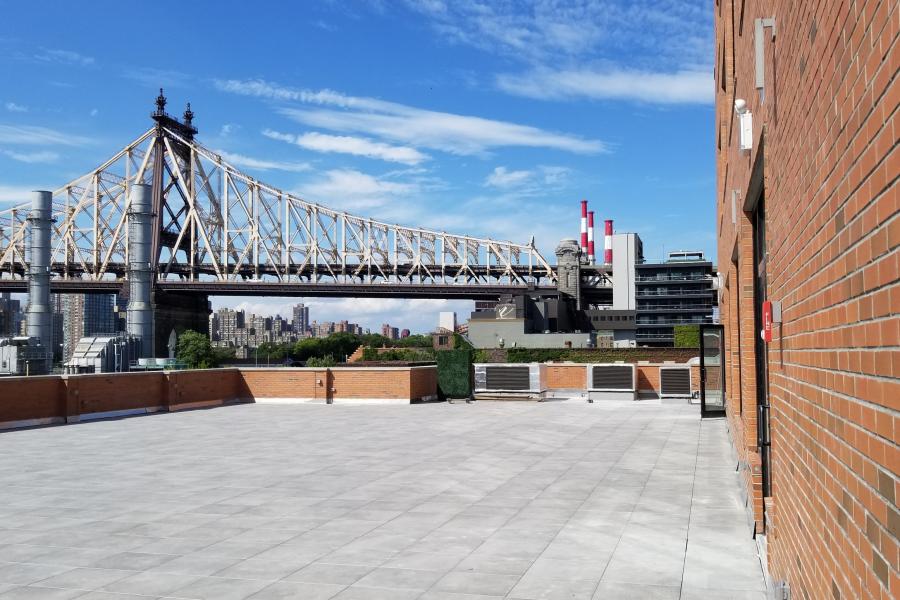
x: 830, y: 175
x: 573, y: 376
x: 26, y: 401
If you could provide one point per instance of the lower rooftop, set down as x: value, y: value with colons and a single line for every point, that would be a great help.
x: 433, y: 501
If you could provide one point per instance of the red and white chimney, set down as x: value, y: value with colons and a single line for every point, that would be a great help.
x: 584, y: 235
x: 590, y: 237
x: 607, y: 243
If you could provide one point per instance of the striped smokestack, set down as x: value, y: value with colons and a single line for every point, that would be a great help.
x: 607, y: 243
x: 584, y: 235
x: 590, y: 237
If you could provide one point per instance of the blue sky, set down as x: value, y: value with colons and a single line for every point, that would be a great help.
x: 483, y: 118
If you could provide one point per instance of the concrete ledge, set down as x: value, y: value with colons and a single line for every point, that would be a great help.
x: 344, y: 400
x: 289, y: 400
x: 8, y: 425
x: 203, y: 404
x: 512, y: 396
x: 111, y: 414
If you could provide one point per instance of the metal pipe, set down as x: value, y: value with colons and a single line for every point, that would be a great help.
x: 607, y: 243
x: 140, y: 240
x: 39, y: 322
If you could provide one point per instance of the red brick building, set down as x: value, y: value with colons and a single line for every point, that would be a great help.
x: 808, y: 219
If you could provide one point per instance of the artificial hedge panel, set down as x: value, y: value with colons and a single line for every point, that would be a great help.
x: 687, y: 336
x: 454, y: 372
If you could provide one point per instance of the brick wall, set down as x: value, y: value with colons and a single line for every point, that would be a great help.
x: 284, y: 383
x: 194, y: 389
x: 423, y: 383
x: 375, y: 383
x: 54, y: 399
x: 25, y: 399
x: 566, y: 377
x: 573, y: 376
x: 825, y: 159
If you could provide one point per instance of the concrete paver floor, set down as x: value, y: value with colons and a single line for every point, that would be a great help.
x: 434, y: 502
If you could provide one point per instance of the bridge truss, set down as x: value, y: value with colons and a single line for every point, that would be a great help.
x: 221, y: 230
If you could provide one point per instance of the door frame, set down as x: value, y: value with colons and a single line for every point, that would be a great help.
x: 704, y: 410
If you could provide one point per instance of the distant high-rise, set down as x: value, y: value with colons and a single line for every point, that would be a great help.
x: 58, y: 327
x: 10, y: 315
x: 300, y: 322
x: 391, y: 333
x: 85, y: 315
x: 322, y: 329
x: 447, y: 321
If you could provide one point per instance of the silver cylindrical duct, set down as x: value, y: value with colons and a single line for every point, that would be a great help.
x: 140, y: 308
x: 39, y: 322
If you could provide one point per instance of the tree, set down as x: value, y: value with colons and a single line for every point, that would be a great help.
x: 269, y: 351
x: 196, y: 352
x: 321, y: 363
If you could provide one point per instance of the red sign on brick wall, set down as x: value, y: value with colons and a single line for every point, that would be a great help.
x: 767, y: 321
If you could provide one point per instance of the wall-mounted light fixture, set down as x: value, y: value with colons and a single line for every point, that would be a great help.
x: 745, y: 117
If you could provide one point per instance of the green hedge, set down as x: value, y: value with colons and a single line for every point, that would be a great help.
x: 687, y: 336
x: 454, y: 372
x: 594, y: 355
x: 401, y: 354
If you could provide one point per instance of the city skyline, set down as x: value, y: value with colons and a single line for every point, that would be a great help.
x: 243, y: 331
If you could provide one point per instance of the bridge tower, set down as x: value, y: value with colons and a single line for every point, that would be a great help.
x: 174, y: 311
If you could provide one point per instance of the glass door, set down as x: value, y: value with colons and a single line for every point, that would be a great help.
x: 712, y: 371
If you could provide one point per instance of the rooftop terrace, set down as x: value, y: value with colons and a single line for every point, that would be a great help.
x: 435, y: 501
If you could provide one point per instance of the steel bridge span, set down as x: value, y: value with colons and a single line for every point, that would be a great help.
x: 214, y: 222
x: 218, y: 231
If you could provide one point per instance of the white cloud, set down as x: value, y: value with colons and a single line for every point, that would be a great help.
x: 320, y: 142
x: 528, y: 182
x: 545, y: 32
x: 655, y: 51
x: 13, y: 107
x: 12, y: 194
x: 348, y: 189
x: 31, y: 157
x: 554, y: 175
x: 263, y: 89
x: 501, y: 177
x: 94, y: 112
x: 448, y: 132
x: 65, y: 57
x: 325, y: 26
x: 240, y: 160
x: 227, y: 129
x: 30, y: 135
x: 694, y: 87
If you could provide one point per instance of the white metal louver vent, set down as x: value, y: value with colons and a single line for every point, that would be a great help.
x: 612, y: 382
x: 510, y: 380
x: 674, y: 382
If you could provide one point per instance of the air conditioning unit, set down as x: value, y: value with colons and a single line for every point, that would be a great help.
x: 612, y: 382
x: 510, y: 381
x: 675, y: 382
